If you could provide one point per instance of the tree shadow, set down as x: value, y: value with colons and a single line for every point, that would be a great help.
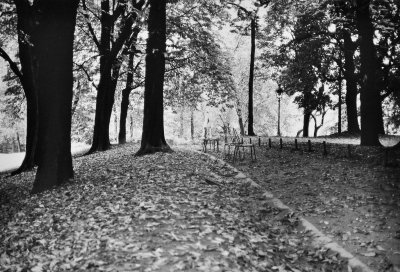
x: 13, y: 195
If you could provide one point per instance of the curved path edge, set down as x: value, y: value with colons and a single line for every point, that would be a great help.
x: 320, y: 239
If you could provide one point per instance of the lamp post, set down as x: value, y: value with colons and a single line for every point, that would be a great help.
x: 279, y: 93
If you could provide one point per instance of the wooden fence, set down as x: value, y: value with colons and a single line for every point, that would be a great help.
x: 378, y: 155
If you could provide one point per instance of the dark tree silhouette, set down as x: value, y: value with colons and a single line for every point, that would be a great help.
x: 250, y: 130
x: 351, y: 83
x: 51, y: 26
x: 110, y: 64
x: 25, y: 27
x: 371, y: 108
x: 128, y: 89
x: 153, y: 139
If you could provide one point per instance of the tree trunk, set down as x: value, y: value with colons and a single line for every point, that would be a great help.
x: 181, y: 123
x: 339, y: 104
x: 115, y: 122
x: 240, y: 118
x: 109, y: 72
x: 250, y: 130
x: 351, y: 84
x: 381, y: 125
x: 25, y: 27
x: 123, y: 115
x: 53, y: 42
x: 131, y: 123
x: 306, y: 123
x: 125, y: 100
x: 192, y: 125
x: 101, y: 138
x: 153, y: 139
x: 76, y: 98
x: 18, y: 142
x: 370, y: 97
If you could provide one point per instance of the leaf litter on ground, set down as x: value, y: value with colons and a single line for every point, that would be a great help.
x: 355, y: 201
x: 176, y: 211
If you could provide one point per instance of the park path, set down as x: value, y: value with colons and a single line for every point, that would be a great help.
x: 180, y: 211
x: 353, y: 200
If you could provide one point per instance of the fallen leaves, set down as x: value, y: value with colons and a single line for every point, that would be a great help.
x: 353, y: 201
x: 162, y: 212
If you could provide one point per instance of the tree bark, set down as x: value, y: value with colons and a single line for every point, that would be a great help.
x: 153, y: 139
x: 29, y: 66
x: 181, y: 123
x: 192, y: 125
x: 250, y: 130
x: 370, y: 97
x: 240, y: 119
x: 109, y: 71
x: 18, y: 142
x: 306, y: 123
x: 351, y: 84
x: 53, y: 44
x: 125, y: 100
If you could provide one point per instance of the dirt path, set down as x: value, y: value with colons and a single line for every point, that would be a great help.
x: 162, y: 212
x: 354, y: 202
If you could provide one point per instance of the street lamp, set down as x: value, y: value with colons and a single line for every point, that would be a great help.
x: 279, y: 93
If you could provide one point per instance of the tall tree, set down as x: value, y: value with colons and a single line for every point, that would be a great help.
x: 25, y: 74
x: 351, y: 83
x: 153, y: 139
x: 246, y: 14
x: 50, y: 27
x: 128, y: 89
x: 110, y: 44
x: 370, y: 96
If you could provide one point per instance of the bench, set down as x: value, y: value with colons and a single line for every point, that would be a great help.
x: 212, y: 142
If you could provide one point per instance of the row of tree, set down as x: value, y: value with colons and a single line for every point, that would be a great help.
x: 107, y: 42
x: 311, y: 48
x: 337, y: 43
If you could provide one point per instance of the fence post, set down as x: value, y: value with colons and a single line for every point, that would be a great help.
x: 295, y: 145
x: 259, y: 141
x: 280, y: 143
x: 269, y: 143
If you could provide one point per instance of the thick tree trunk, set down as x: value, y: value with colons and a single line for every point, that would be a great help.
x: 381, y: 125
x: 351, y: 84
x: 306, y: 123
x: 250, y: 130
x: 370, y: 97
x: 153, y: 139
x: 54, y: 49
x: 339, y: 105
x: 25, y: 27
x: 101, y: 137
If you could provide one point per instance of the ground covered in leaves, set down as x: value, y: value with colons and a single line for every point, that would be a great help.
x: 179, y: 211
x: 355, y: 201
